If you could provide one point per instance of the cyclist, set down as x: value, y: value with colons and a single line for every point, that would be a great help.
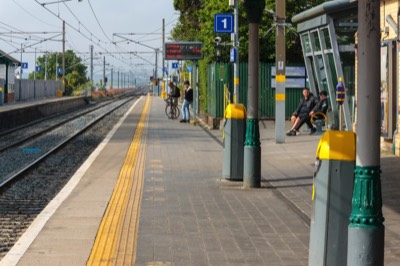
x: 174, y: 93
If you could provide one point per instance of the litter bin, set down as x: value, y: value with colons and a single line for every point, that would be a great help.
x: 331, y: 198
x: 234, y: 136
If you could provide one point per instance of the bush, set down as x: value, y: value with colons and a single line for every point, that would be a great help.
x: 96, y: 95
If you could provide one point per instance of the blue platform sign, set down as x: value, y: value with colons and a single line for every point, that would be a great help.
x: 24, y: 65
x: 174, y: 65
x: 233, y: 55
x: 59, y: 70
x: 38, y: 68
x: 223, y: 23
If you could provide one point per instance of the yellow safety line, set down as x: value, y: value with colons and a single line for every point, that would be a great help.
x: 126, y: 251
x: 106, y: 243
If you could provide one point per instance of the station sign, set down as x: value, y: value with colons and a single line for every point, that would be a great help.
x: 296, y: 77
x: 38, y: 68
x: 233, y: 55
x: 59, y: 70
x: 223, y: 23
x: 24, y: 65
x: 183, y: 51
x: 174, y: 65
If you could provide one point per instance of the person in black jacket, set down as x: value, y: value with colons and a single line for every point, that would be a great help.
x: 188, y: 99
x: 302, y: 113
x: 321, y: 107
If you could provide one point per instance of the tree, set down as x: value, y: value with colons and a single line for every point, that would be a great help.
x: 75, y: 71
x: 196, y: 23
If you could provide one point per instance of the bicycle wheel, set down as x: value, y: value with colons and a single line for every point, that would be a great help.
x: 168, y: 111
x: 176, y: 112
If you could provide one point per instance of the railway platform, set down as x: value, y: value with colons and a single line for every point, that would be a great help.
x: 19, y: 113
x: 152, y: 194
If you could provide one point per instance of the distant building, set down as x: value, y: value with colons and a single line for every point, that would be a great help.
x: 8, y: 64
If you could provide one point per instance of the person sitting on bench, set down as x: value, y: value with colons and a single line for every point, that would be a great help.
x: 321, y: 107
x: 302, y: 113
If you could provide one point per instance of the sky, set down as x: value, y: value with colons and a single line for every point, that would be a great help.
x: 116, y: 28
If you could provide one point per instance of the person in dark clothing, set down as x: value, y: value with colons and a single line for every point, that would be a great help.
x: 174, y: 92
x: 188, y: 99
x: 302, y: 113
x: 321, y: 107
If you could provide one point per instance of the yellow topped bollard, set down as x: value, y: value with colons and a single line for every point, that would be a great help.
x: 234, y: 136
x: 1, y: 96
x: 164, y: 95
x: 331, y: 198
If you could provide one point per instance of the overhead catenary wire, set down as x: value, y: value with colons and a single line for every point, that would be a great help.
x: 98, y: 22
x: 117, y: 47
x: 78, y: 31
x: 30, y: 14
x: 11, y: 27
x: 10, y: 43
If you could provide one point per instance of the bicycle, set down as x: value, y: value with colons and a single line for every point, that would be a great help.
x: 171, y: 110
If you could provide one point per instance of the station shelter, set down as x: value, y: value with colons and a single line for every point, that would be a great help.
x: 328, y: 34
x: 8, y: 64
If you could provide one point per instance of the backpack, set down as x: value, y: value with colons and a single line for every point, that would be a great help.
x: 177, y: 92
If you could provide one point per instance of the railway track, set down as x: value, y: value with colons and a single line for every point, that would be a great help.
x: 21, y: 155
x: 16, y: 136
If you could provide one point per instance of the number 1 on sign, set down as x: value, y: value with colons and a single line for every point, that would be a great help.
x: 225, y: 22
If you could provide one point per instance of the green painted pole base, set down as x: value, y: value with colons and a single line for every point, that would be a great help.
x: 366, y: 232
x: 252, y: 167
x: 365, y: 246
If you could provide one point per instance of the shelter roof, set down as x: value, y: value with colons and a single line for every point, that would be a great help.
x: 324, y: 8
x: 6, y: 59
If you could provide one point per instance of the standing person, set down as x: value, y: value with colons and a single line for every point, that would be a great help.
x: 188, y: 99
x: 302, y: 113
x: 174, y: 93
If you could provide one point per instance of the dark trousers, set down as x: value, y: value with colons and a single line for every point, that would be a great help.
x: 304, y: 119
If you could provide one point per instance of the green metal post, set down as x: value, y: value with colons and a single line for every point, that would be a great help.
x: 252, y: 145
x: 366, y: 229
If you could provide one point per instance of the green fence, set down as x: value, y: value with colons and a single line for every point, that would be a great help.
x: 220, y: 74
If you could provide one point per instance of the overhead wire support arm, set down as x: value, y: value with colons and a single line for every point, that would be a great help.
x: 56, y: 2
x: 127, y: 39
x: 153, y: 33
x: 29, y: 32
x: 31, y: 45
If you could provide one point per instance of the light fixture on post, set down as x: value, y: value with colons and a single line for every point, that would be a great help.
x: 217, y: 41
